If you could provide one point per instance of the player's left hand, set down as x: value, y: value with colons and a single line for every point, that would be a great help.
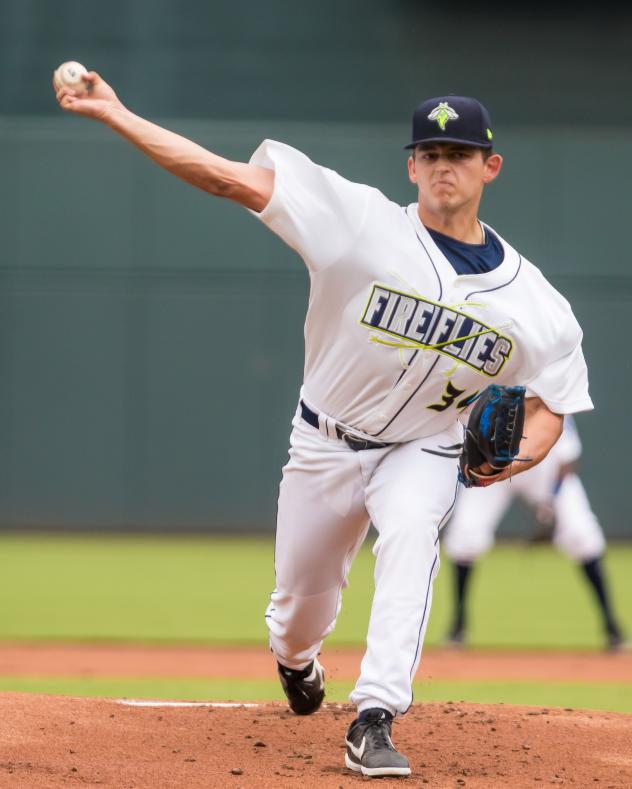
x: 492, y: 436
x: 485, y: 475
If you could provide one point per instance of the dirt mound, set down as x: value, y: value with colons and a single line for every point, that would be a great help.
x: 62, y: 741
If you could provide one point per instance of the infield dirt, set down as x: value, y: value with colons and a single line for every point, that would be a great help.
x: 53, y: 741
x: 63, y: 741
x: 134, y: 660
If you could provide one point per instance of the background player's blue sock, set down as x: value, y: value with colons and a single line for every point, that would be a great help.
x: 462, y: 576
x: 595, y: 576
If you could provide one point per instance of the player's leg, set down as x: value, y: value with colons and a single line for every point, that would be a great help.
x: 409, y: 495
x: 322, y: 521
x: 579, y: 535
x: 468, y: 535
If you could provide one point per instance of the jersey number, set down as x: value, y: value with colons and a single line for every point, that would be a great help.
x: 450, y: 396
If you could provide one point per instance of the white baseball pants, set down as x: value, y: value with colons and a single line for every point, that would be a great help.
x: 478, y: 512
x: 328, y: 496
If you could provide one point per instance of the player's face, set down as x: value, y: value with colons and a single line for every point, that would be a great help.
x: 451, y: 177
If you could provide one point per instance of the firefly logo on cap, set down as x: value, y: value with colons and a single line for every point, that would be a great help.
x: 442, y: 114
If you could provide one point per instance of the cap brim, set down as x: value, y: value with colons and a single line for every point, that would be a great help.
x: 469, y: 143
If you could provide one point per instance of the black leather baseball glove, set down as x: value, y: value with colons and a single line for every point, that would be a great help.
x: 493, y: 434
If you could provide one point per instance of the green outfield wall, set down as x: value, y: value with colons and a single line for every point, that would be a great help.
x: 151, y: 336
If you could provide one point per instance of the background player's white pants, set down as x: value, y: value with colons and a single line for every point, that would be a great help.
x: 479, y: 511
x: 328, y: 496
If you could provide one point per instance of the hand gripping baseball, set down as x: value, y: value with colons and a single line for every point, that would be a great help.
x: 493, y: 435
x: 94, y: 102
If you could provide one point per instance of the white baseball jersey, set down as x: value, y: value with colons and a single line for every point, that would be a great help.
x: 396, y: 346
x: 396, y: 341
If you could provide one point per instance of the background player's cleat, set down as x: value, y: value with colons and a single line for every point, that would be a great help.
x: 615, y: 642
x: 455, y: 639
x: 305, y: 689
x: 370, y: 750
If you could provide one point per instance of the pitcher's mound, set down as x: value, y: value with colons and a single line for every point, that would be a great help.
x: 62, y: 741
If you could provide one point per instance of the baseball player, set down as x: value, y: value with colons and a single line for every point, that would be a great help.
x: 554, y: 491
x: 413, y: 310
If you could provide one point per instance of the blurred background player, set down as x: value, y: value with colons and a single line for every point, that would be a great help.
x: 555, y: 493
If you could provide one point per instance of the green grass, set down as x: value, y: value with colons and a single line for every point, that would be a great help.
x: 134, y: 588
x: 214, y: 590
x: 615, y: 697
x: 204, y: 589
x: 532, y: 597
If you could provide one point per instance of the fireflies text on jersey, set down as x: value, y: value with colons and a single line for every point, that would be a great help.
x: 419, y: 323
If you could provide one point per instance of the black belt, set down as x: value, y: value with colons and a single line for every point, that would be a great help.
x: 354, y: 442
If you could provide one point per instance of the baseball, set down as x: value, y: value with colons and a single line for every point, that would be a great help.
x: 70, y: 75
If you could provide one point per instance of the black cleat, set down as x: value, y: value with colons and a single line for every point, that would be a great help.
x: 305, y: 689
x: 370, y: 750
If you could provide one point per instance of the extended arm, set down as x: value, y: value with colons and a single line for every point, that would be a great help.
x: 246, y: 184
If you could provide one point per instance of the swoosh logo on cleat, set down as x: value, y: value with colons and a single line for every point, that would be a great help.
x: 357, y: 752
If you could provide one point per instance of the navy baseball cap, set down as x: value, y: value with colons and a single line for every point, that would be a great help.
x: 452, y: 119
